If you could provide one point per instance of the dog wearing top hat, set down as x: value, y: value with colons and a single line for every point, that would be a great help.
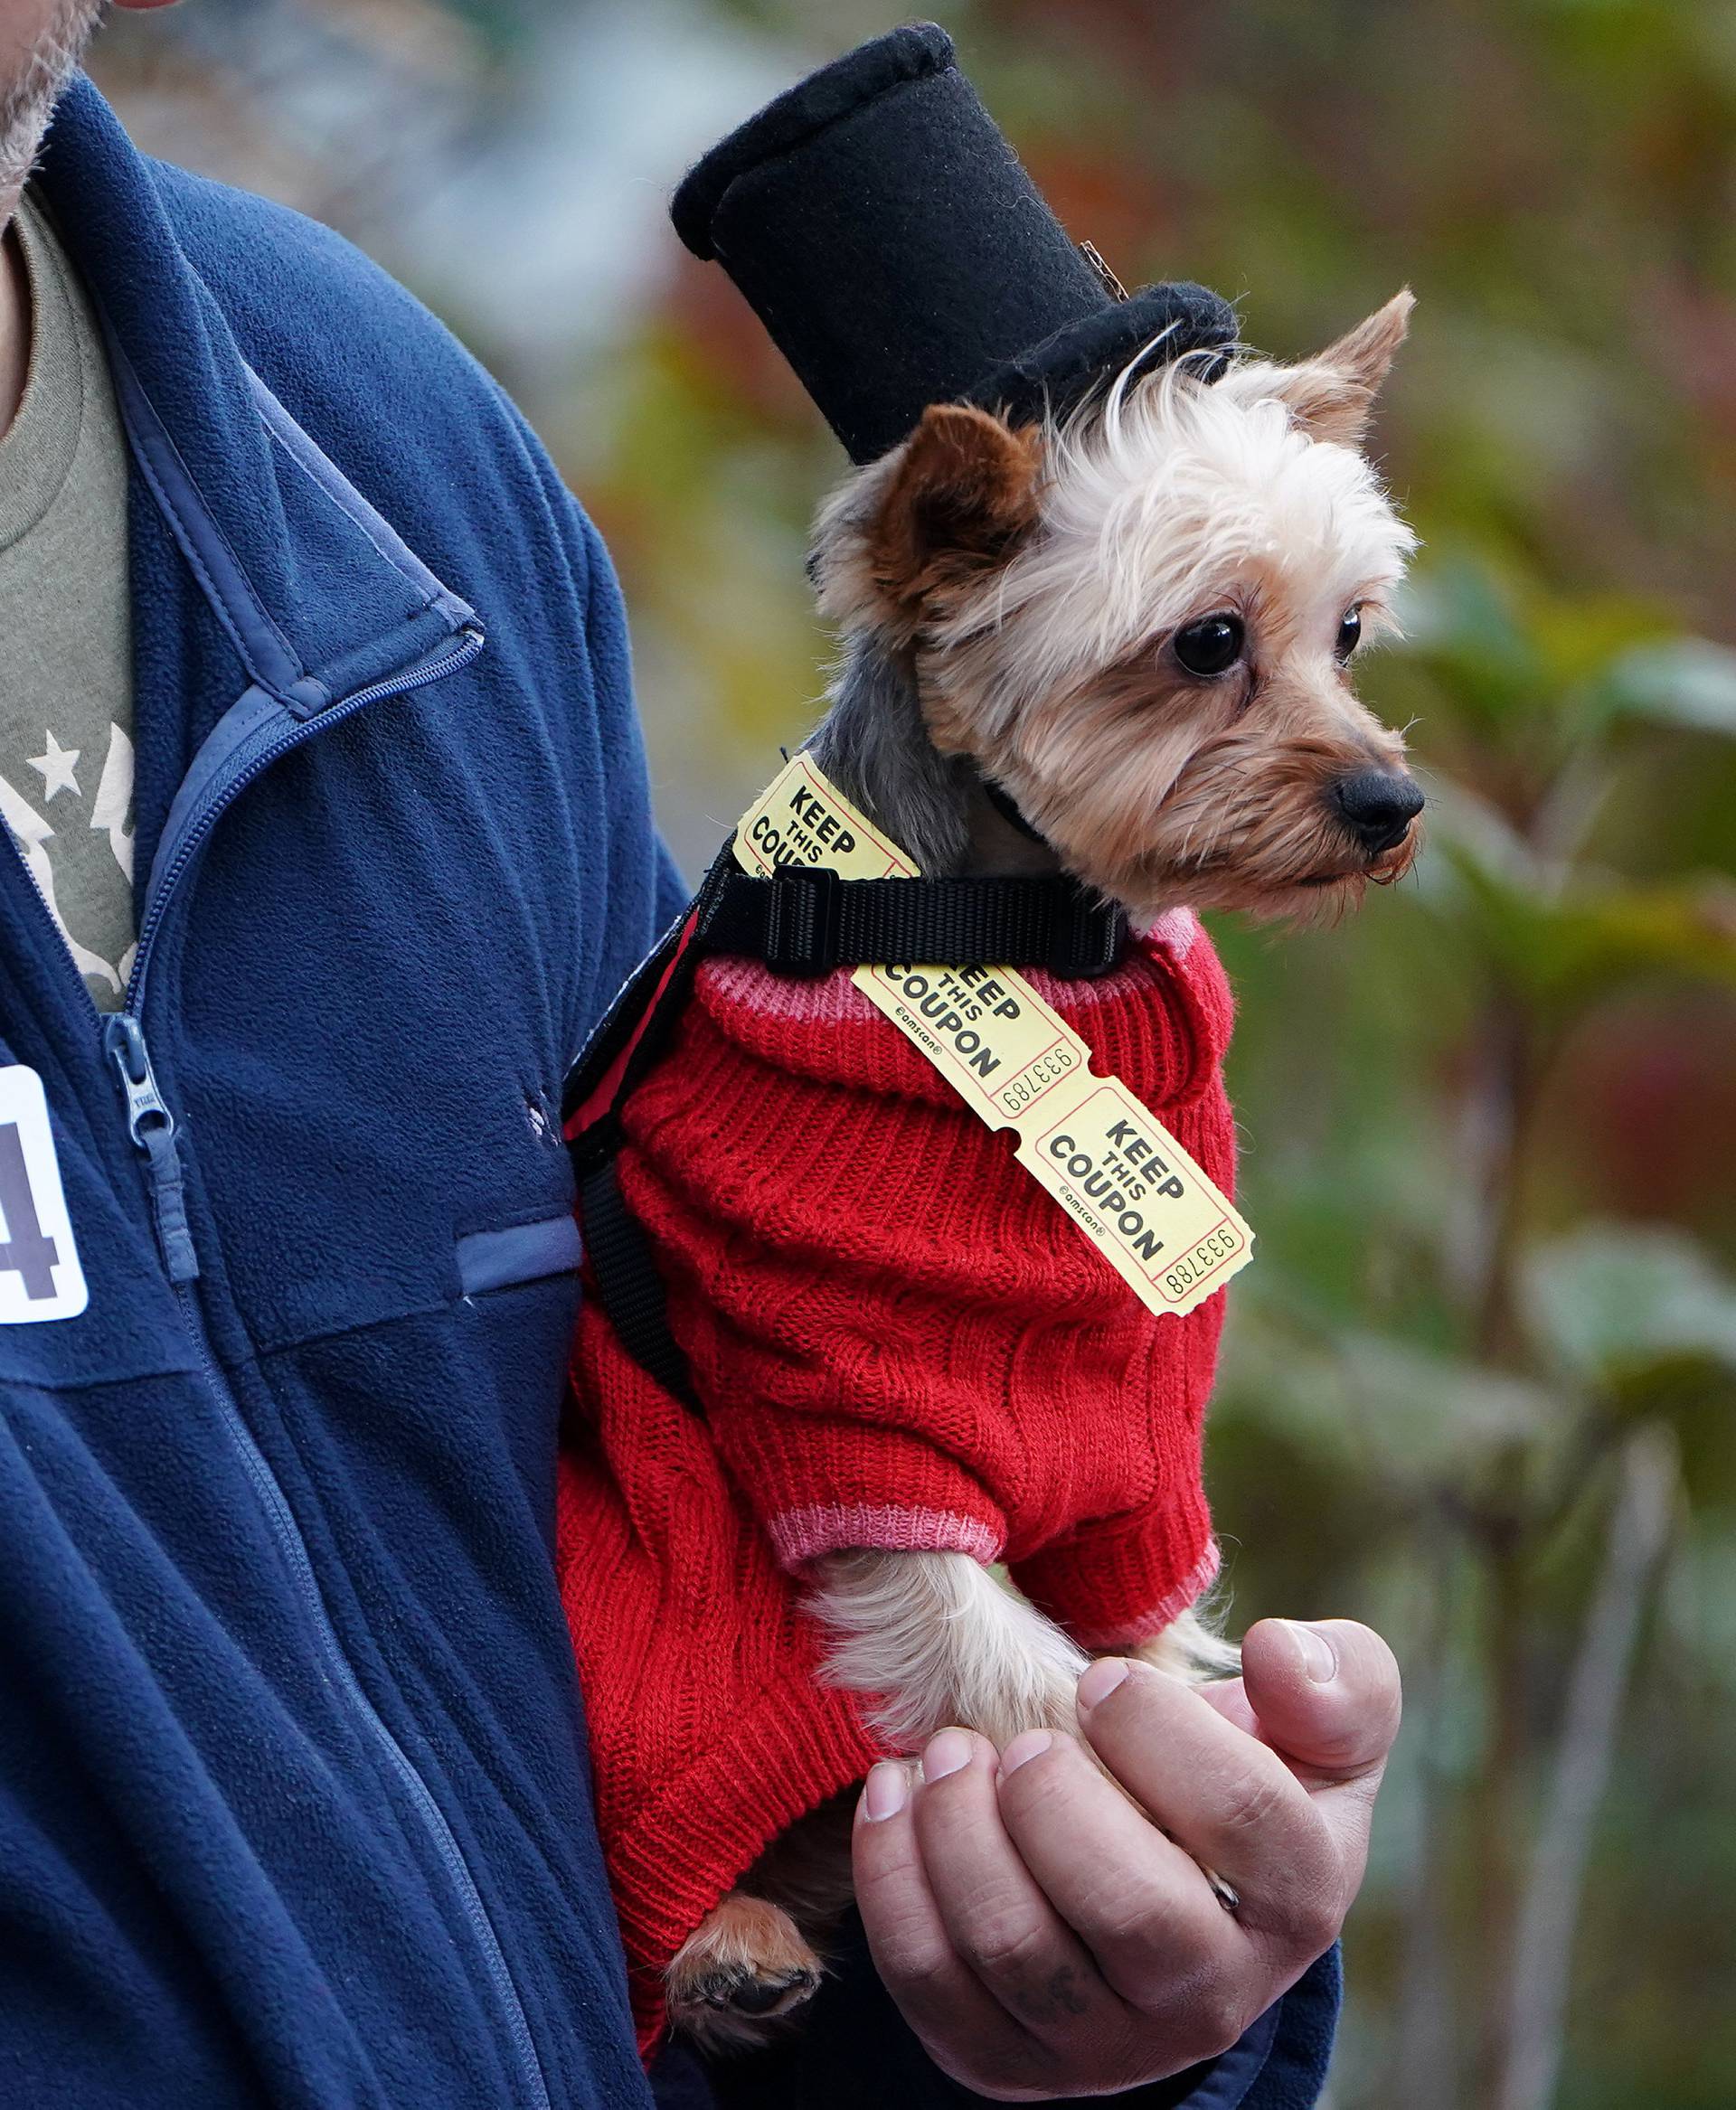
x: 1101, y: 577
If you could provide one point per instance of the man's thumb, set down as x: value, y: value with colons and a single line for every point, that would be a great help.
x: 1325, y: 1693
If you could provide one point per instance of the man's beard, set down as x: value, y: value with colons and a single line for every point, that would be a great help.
x: 27, y: 102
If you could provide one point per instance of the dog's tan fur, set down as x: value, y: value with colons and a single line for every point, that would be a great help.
x: 1025, y: 587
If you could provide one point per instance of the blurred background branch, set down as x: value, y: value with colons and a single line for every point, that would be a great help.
x: 1549, y: 1912
x: 1478, y: 1387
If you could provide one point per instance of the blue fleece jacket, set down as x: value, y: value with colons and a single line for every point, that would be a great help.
x: 293, y: 1801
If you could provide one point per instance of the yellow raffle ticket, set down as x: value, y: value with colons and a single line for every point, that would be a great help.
x: 1107, y: 1159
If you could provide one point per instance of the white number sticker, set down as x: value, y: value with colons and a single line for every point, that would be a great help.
x: 39, y: 1274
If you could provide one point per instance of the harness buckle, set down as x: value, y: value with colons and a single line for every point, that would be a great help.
x: 1086, y: 940
x: 804, y: 920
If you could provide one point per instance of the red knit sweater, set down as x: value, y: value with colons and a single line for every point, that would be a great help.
x: 899, y: 1340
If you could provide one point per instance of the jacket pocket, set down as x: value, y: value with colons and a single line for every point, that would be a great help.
x: 517, y: 1253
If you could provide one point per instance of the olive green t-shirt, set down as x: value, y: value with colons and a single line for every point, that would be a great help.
x: 66, y: 683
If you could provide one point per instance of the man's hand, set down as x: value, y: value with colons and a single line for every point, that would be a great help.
x: 1043, y: 1938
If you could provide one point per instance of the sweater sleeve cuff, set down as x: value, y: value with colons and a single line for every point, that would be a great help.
x: 1117, y: 1583
x: 801, y: 1535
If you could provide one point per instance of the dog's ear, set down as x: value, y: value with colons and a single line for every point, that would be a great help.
x: 960, y: 498
x: 1332, y: 395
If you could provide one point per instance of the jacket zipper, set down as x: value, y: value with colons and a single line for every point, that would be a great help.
x: 151, y: 1125
x: 222, y: 794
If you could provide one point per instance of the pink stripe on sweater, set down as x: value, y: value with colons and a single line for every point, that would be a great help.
x: 828, y: 1000
x: 834, y: 1527
x: 1175, y: 930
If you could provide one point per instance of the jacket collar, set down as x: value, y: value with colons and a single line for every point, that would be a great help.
x: 264, y: 519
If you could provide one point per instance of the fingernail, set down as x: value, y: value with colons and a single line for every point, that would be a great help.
x: 1027, y: 1744
x: 885, y: 1790
x: 1319, y: 1657
x: 949, y: 1752
x: 1100, y: 1680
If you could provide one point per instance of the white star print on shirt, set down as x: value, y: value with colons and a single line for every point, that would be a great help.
x: 30, y: 831
x: 112, y: 810
x: 112, y: 816
x: 57, y: 764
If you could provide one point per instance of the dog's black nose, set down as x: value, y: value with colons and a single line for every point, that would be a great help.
x: 1378, y: 805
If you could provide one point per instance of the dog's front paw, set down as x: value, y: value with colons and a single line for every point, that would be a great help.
x: 743, y: 1969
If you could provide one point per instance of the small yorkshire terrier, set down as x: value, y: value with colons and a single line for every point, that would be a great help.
x: 1134, y: 629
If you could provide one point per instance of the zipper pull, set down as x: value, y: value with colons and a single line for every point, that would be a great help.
x: 151, y: 1126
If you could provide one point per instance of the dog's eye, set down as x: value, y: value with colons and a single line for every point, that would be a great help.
x: 1210, y: 647
x: 1350, y: 634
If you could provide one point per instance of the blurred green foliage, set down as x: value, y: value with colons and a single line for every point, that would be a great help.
x: 1479, y: 1382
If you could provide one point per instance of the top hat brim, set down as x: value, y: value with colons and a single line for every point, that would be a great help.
x: 1155, y: 327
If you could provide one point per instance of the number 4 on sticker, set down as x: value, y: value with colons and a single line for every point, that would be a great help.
x: 39, y: 1274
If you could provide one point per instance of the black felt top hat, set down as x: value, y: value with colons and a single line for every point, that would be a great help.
x: 899, y: 255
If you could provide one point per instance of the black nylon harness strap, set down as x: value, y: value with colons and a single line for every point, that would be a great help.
x: 626, y: 1273
x: 806, y: 921
x: 1009, y: 811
